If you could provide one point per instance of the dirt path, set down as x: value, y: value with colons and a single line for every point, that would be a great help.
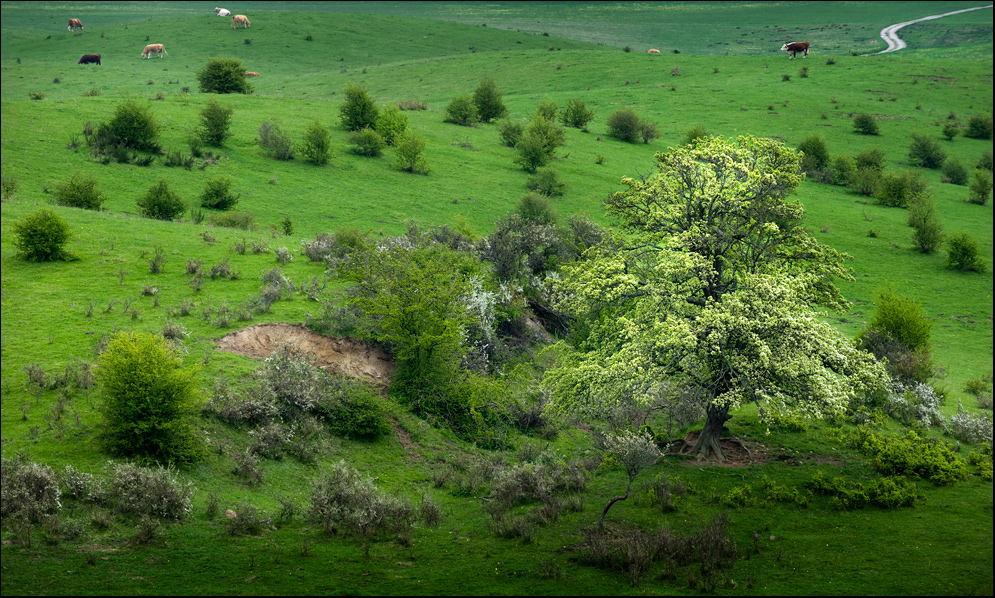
x: 344, y: 356
x: 890, y: 33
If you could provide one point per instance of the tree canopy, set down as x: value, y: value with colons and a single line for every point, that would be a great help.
x: 712, y: 301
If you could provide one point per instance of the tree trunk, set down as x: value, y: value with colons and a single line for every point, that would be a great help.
x: 614, y: 500
x: 708, y: 440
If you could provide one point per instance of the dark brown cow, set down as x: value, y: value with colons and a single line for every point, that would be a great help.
x: 89, y: 59
x: 75, y: 24
x: 794, y: 48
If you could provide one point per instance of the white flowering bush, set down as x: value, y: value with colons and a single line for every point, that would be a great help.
x: 970, y: 428
x: 149, y: 491
x: 28, y: 489
x: 915, y: 403
x: 342, y: 497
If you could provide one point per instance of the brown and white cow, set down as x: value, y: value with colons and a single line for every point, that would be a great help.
x: 153, y: 49
x: 251, y: 74
x: 90, y: 59
x: 794, y: 48
x: 75, y: 24
x: 237, y: 20
x: 222, y: 12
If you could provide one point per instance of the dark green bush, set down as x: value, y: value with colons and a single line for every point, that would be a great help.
x: 354, y: 411
x: 954, y: 172
x: 161, y: 202
x: 981, y: 188
x: 533, y: 152
x: 133, y: 126
x: 625, y: 125
x: 816, y: 154
x: 985, y: 161
x: 963, y: 254
x: 901, y: 318
x: 864, y: 181
x: 42, y: 236
x: 694, y: 134
x: 926, y: 151
x: 576, y: 115
x: 842, y: 168
x: 950, y: 130
x: 899, y: 191
x: 865, y: 124
x: 147, y: 395
x: 546, y: 109
x: 80, y: 191
x: 928, y: 229
x: 487, y: 99
x: 367, y: 142
x: 870, y: 158
x: 979, y: 126
x: 217, y: 194
x: 223, y: 75
x: 215, y: 122
x: 359, y: 111
x: 511, y: 132
x: 462, y: 111
x: 317, y: 144
x: 546, y: 182
x: 275, y: 142
x: 536, y: 209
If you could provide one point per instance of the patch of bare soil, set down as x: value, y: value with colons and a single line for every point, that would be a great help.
x: 738, y: 453
x: 342, y: 356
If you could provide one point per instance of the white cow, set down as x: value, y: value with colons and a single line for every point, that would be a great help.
x: 223, y: 12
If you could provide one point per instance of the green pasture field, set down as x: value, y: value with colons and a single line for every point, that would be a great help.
x: 728, y: 78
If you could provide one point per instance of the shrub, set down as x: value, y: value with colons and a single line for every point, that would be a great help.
x: 462, y: 111
x: 367, y: 142
x: 912, y: 455
x: 80, y: 191
x: 359, y: 111
x: 215, y: 122
x: 899, y: 191
x: 217, y: 194
x: 487, y: 99
x: 133, y: 126
x: 28, y: 489
x: 511, y: 132
x: 871, y: 158
x: 8, y: 187
x: 161, y: 202
x: 146, y: 396
x: 546, y: 182
x: 536, y: 209
x: 625, y: 125
x: 223, y: 75
x: 353, y: 410
x: 842, y: 168
x: 576, y: 115
x: 954, y: 172
x: 926, y: 151
x: 928, y: 229
x: 979, y: 126
x: 648, y: 131
x: 341, y: 497
x: 981, y: 188
x: 391, y: 124
x: 42, y: 236
x: 546, y: 109
x: 950, y: 130
x: 899, y: 331
x: 864, y: 181
x: 816, y: 155
x: 694, y: 134
x: 242, y: 220
x: 963, y: 254
x: 985, y: 161
x: 275, y: 142
x: 865, y: 124
x: 916, y: 403
x: 317, y: 143
x: 409, y: 147
x: 148, y: 491
x: 969, y: 428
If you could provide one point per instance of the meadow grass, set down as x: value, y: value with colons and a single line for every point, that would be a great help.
x: 54, y: 313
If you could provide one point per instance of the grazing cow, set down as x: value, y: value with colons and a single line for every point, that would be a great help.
x: 90, y: 59
x: 75, y: 24
x: 794, y: 48
x: 653, y: 51
x: 153, y: 49
x: 251, y: 74
x: 237, y: 20
x: 222, y: 12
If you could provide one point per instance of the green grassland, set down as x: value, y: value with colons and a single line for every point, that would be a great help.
x: 728, y: 78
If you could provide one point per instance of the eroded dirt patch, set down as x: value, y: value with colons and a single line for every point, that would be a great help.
x: 342, y: 356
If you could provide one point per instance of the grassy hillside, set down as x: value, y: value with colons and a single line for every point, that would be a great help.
x: 54, y: 312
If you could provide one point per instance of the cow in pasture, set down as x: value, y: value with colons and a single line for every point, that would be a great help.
x: 251, y: 74
x: 153, y: 49
x: 237, y: 20
x: 222, y: 12
x: 75, y: 24
x: 794, y: 48
x: 653, y: 51
x: 89, y: 59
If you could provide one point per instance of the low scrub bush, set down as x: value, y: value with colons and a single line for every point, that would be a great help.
x: 979, y: 126
x: 923, y: 218
x: 546, y: 182
x: 359, y: 110
x: 391, y: 124
x: 864, y: 181
x: 28, y: 489
x: 925, y: 151
x: 511, y: 132
x: 80, y: 191
x: 912, y: 455
x: 223, y: 75
x: 42, y: 236
x: 954, y: 172
x: 865, y: 124
x: 981, y: 188
x: 887, y: 493
x: 353, y: 410
x: 899, y: 331
x: 161, y: 202
x: 275, y: 142
x: 487, y: 99
x: 462, y: 111
x: 217, y: 194
x: 215, y: 122
x: 963, y: 254
x: 576, y: 115
x: 899, y: 191
x: 343, y: 499
x: 972, y: 429
x: 367, y: 142
x: 234, y: 219
x: 915, y: 404
x: 245, y: 520
x: 154, y: 492
x: 317, y: 144
x: 870, y: 158
x: 409, y: 148
x: 815, y: 153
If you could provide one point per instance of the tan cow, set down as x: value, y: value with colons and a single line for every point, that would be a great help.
x: 153, y: 49
x: 237, y: 20
x: 75, y: 24
x: 653, y: 51
x: 251, y: 74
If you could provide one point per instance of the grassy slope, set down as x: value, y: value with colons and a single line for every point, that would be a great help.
x: 469, y: 186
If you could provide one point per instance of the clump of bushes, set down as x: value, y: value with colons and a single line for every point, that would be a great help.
x: 28, y: 489
x: 341, y: 498
x: 148, y: 491
x: 979, y: 126
x: 215, y: 121
x: 899, y: 333
x: 627, y: 126
x: 367, y: 142
x: 925, y: 151
x: 546, y: 182
x: 408, y: 149
x: 217, y: 194
x: 391, y: 124
x: 233, y: 219
x: 223, y: 75
x: 133, y: 127
x: 969, y: 428
x: 887, y: 493
x: 42, y: 236
x: 359, y: 111
x: 912, y: 455
x: 462, y: 111
x: 80, y: 191
x: 161, y: 202
x: 576, y: 115
x: 487, y: 99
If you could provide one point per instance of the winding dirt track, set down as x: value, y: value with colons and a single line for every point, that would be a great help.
x: 890, y: 33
